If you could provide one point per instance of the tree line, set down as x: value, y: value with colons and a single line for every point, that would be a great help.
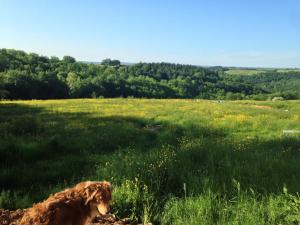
x: 31, y: 76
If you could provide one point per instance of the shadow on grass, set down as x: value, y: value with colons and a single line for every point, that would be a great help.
x: 40, y: 149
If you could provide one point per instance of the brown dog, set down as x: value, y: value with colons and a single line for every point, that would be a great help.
x: 73, y: 206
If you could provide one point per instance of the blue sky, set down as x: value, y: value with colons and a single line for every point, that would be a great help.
x: 262, y: 33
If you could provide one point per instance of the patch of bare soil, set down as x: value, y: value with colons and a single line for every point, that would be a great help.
x: 262, y: 106
x: 153, y: 128
x: 8, y: 217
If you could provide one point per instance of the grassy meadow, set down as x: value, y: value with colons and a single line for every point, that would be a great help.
x: 246, y: 72
x: 257, y: 71
x: 170, y: 161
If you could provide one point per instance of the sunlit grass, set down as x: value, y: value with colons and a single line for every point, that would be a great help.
x: 171, y: 161
x: 245, y: 71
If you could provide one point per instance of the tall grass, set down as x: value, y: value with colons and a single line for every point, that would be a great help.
x: 171, y: 161
x: 244, y: 208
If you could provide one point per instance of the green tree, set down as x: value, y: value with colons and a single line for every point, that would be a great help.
x: 110, y: 62
x: 68, y: 59
x: 27, y: 76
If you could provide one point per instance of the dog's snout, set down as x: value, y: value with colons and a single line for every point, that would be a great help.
x: 103, y: 209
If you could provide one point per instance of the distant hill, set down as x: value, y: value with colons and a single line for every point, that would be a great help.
x: 30, y: 76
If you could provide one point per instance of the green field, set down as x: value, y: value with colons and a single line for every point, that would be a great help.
x: 249, y: 72
x: 170, y: 161
x: 287, y: 70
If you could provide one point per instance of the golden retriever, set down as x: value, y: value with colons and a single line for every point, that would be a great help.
x: 73, y: 206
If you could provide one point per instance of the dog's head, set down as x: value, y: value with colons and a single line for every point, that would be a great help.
x: 98, y: 196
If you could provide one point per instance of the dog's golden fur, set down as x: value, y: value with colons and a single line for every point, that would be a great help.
x: 73, y: 206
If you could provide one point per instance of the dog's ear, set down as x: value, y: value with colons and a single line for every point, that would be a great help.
x: 90, y: 194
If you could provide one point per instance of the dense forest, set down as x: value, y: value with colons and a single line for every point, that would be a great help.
x: 30, y: 76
